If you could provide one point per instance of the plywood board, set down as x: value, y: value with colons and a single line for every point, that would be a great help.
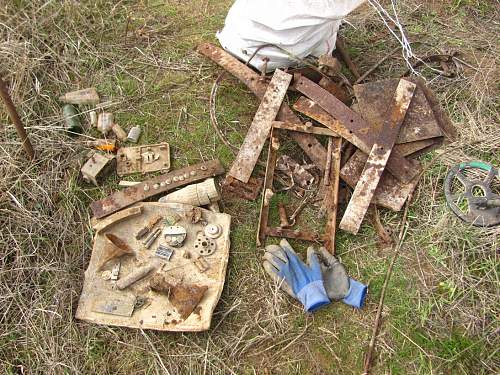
x: 157, y: 312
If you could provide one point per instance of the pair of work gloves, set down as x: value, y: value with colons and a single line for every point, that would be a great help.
x: 316, y: 283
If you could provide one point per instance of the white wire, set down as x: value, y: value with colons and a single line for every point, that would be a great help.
x: 400, y: 35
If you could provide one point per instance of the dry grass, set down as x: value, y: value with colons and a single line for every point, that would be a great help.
x: 442, y: 311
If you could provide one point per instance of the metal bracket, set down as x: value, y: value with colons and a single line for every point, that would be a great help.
x: 155, y: 186
x: 143, y: 159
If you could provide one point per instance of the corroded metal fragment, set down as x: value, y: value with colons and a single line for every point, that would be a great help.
x: 258, y: 132
x: 377, y: 159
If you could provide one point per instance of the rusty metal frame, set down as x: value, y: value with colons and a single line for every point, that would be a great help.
x: 161, y: 184
x: 378, y: 158
x: 311, y: 146
x: 257, y: 133
x: 331, y: 112
x: 264, y: 230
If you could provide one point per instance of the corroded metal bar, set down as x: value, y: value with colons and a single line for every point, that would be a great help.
x: 14, y: 116
x: 291, y: 126
x: 258, y: 132
x: 377, y: 159
x: 155, y: 186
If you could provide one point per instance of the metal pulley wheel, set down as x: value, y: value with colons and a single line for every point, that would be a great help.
x: 469, y: 193
x: 204, y: 245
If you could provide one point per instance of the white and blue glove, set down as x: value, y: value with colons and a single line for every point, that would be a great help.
x: 339, y: 286
x: 303, y: 282
x: 314, y: 285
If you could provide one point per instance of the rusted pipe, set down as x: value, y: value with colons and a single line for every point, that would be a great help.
x: 11, y: 110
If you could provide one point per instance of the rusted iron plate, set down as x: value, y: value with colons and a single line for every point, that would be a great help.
x: 155, y: 186
x: 412, y: 148
x: 390, y: 193
x: 373, y: 99
x: 291, y: 126
x: 377, y: 159
x: 258, y: 132
x: 232, y: 188
x: 331, y: 200
x: 272, y: 158
x: 311, y: 146
x: 442, y: 118
x: 331, y: 112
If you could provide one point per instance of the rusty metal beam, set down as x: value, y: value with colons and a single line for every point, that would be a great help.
x: 311, y: 146
x: 262, y: 123
x: 332, y: 195
x: 390, y: 193
x: 161, y: 184
x: 272, y: 157
x: 344, y: 55
x: 291, y: 126
x: 331, y: 112
x: 377, y: 159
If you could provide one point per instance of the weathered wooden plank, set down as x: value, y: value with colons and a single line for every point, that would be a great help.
x: 377, y: 159
x: 262, y: 123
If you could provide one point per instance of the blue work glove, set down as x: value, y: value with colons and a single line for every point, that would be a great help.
x: 303, y: 282
x: 339, y: 286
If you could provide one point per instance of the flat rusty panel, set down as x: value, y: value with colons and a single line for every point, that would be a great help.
x: 411, y: 148
x: 311, y: 146
x: 258, y: 132
x: 291, y: 126
x: 390, y: 193
x: 331, y: 112
x: 373, y: 99
x: 155, y: 186
x: 377, y: 159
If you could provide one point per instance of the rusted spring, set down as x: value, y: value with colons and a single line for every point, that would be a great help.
x: 14, y: 116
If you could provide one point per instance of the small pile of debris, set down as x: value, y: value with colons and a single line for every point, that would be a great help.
x: 157, y: 265
x: 373, y: 141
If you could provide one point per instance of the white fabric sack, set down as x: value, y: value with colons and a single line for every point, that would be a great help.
x: 300, y: 27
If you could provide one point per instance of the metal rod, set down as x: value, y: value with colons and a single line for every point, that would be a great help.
x: 377, y: 64
x: 11, y: 110
x: 341, y: 48
x: 395, y: 256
